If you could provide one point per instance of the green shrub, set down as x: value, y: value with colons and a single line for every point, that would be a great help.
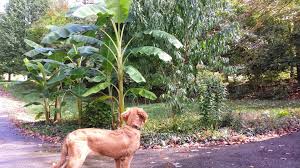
x: 176, y: 96
x: 211, y: 96
x: 97, y: 114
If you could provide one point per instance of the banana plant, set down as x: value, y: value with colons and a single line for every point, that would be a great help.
x: 115, y: 13
x: 71, y: 73
x: 40, y: 74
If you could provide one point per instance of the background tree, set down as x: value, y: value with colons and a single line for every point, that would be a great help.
x: 53, y: 16
x: 270, y: 31
x: 206, y: 28
x: 20, y: 14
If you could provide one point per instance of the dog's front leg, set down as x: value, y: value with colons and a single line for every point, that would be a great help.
x: 118, y: 163
x: 125, y: 161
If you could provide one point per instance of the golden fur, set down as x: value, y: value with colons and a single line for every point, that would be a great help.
x: 119, y: 144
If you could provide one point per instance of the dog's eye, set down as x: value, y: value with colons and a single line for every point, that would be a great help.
x: 142, y: 117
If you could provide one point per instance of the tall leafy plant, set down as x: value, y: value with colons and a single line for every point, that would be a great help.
x: 41, y: 73
x: 71, y: 56
x: 115, y: 13
x: 206, y: 29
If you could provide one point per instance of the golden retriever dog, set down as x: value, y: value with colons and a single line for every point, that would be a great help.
x: 120, y: 144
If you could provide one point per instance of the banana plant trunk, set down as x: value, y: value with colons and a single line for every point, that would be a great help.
x: 113, y: 124
x: 121, y: 98
x: 57, y: 116
x: 47, y: 109
x: 120, y: 73
x: 79, y: 109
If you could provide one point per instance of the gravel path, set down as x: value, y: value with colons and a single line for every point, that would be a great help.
x: 17, y: 151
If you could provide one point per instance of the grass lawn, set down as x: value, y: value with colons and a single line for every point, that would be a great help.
x: 260, y: 106
x: 157, y: 110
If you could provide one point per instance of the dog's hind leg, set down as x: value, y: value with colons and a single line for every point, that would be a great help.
x: 77, y: 156
x: 63, y: 157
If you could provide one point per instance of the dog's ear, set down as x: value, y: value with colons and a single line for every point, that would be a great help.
x: 143, y: 115
x: 125, y: 115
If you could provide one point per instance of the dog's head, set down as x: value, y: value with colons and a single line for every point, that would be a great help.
x: 135, y: 117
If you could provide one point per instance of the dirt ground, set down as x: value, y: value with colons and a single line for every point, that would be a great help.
x: 17, y: 151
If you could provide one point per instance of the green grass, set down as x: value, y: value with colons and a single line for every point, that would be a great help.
x: 261, y: 106
x: 160, y: 116
x: 156, y: 111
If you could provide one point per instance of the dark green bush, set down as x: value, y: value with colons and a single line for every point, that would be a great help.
x: 211, y: 96
x: 97, y: 114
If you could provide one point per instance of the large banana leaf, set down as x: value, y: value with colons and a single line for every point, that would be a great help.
x: 66, y: 31
x: 97, y: 79
x: 30, y: 67
x: 32, y: 44
x: 38, y: 51
x: 86, y: 39
x: 117, y: 9
x: 120, y: 9
x: 59, y: 56
x: 143, y: 92
x: 78, y: 90
x: 77, y: 73
x: 32, y: 103
x: 42, y: 70
x: 103, y: 19
x: 88, y: 10
x: 150, y: 50
x: 108, y: 57
x: 60, y: 76
x: 48, y: 61
x: 103, y: 98
x: 134, y: 74
x: 159, y: 34
x: 96, y: 89
x: 84, y: 51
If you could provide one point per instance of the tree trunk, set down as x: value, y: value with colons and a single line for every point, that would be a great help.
x: 298, y: 74
x: 9, y: 77
x: 292, y: 72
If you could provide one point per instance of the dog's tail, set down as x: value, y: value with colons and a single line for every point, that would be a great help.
x: 63, y: 157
